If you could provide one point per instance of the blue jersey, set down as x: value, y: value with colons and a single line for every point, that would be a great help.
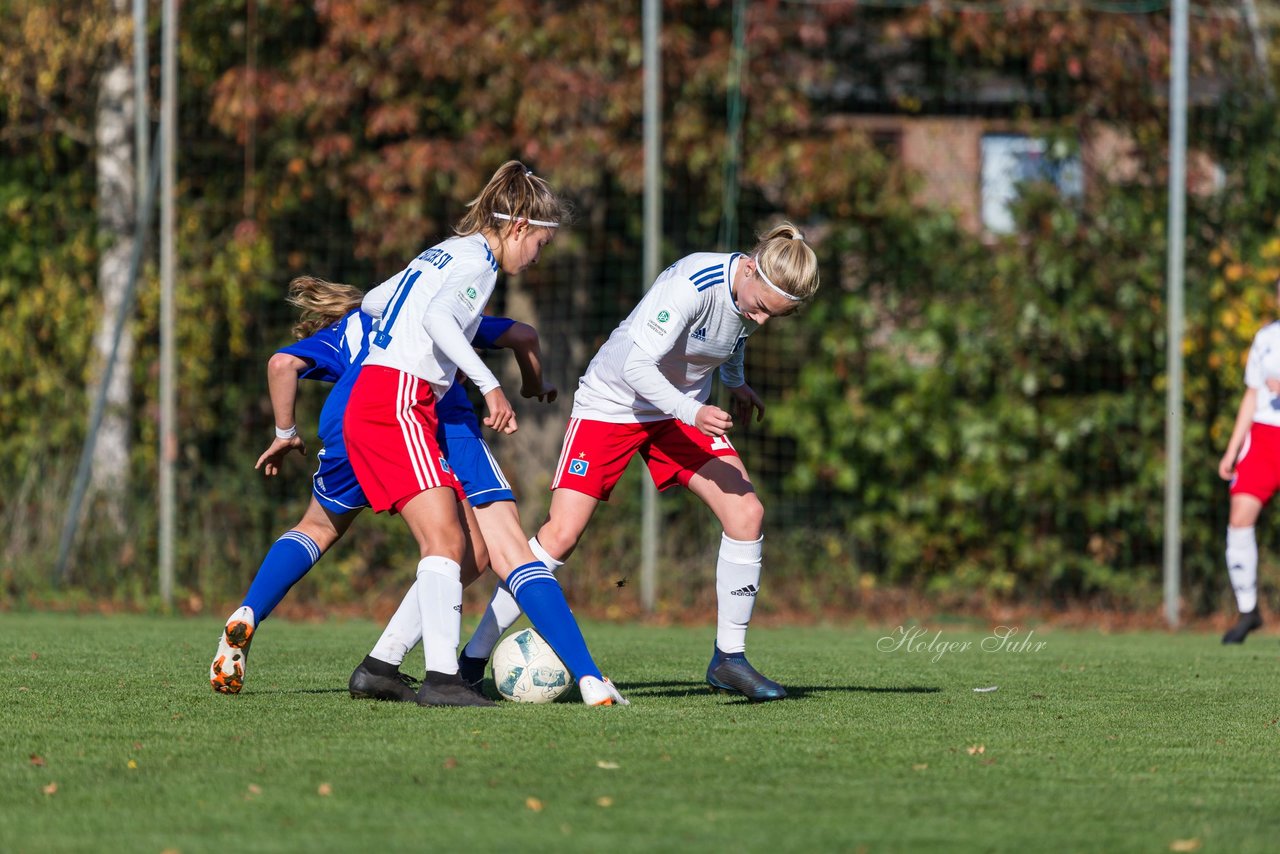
x: 336, y: 350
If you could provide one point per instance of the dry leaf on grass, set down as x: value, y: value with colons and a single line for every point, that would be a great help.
x: 533, y: 804
x: 1184, y: 845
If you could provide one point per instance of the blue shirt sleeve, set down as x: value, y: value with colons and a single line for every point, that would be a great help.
x: 491, y: 329
x: 323, y: 351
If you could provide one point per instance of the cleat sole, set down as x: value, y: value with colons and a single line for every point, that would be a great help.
x: 239, y: 634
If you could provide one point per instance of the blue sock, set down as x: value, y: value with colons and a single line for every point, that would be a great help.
x: 288, y: 559
x: 539, y: 595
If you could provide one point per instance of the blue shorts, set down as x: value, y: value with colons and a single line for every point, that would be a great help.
x: 473, y: 464
x: 336, y: 488
x: 334, y: 484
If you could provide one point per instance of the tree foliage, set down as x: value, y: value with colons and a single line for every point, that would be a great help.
x: 957, y: 412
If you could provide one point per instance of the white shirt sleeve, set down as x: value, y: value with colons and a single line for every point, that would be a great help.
x: 664, y: 317
x: 451, y: 311
x: 376, y: 301
x: 1254, y: 374
x: 641, y: 372
x: 731, y: 372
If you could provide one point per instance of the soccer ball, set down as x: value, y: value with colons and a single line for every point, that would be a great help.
x: 527, y: 670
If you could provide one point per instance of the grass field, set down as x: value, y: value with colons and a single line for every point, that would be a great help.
x: 1128, y: 742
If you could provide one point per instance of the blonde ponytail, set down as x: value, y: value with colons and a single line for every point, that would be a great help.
x: 514, y: 193
x: 321, y: 303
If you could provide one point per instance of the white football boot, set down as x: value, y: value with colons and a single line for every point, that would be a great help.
x: 226, y: 673
x: 600, y: 692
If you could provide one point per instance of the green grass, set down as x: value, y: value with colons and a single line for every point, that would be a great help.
x: 1127, y: 742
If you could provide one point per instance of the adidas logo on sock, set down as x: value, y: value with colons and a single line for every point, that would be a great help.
x: 699, y: 334
x: 749, y: 590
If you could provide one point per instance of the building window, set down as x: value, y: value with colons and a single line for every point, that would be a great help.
x: 1010, y: 161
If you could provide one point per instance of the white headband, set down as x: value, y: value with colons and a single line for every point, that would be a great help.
x: 765, y: 279
x: 541, y: 222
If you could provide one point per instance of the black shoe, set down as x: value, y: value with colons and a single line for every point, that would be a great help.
x: 367, y: 685
x: 449, y: 689
x: 1247, y: 623
x: 472, y: 671
x: 733, y: 673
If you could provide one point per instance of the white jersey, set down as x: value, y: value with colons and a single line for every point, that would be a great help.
x: 429, y: 307
x: 1263, y: 365
x: 687, y: 323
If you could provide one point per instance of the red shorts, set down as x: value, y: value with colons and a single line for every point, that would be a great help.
x: 596, y: 453
x: 1258, y: 465
x: 390, y: 431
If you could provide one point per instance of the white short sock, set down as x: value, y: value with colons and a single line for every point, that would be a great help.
x: 737, y: 582
x: 1242, y: 566
x: 543, y: 555
x: 402, y: 632
x: 440, y: 601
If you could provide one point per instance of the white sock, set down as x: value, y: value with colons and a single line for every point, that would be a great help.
x: 402, y: 632
x: 498, y: 617
x: 1242, y: 565
x: 541, y: 554
x: 440, y: 602
x: 737, y: 582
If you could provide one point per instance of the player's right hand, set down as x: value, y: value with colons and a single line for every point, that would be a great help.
x: 501, y: 417
x: 713, y: 421
x: 273, y: 456
x: 1227, y: 466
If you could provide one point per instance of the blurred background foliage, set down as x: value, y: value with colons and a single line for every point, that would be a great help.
x: 970, y: 416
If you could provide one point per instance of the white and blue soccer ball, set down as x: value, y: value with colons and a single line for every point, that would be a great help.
x: 527, y: 670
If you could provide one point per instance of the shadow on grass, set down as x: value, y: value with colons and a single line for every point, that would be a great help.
x: 795, y: 692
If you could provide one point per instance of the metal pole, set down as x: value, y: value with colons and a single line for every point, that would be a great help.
x: 733, y: 131
x: 652, y: 58
x: 1176, y: 271
x: 168, y: 440
x: 141, y: 89
x: 85, y: 467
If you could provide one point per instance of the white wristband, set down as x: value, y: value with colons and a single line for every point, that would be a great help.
x: 287, y: 434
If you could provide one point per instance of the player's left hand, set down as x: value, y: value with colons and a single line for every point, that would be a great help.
x: 744, y: 401
x: 273, y: 456
x: 547, y: 394
x: 501, y: 417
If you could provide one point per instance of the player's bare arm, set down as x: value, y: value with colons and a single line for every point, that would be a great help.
x: 1244, y: 420
x: 522, y: 339
x: 282, y: 383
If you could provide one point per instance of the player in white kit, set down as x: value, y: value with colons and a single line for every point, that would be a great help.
x: 1252, y: 464
x: 427, y: 316
x: 646, y: 392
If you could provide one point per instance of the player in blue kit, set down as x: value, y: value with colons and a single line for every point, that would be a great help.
x: 333, y: 354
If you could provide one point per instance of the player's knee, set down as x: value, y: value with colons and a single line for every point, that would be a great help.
x: 322, y: 535
x: 558, y: 540
x: 745, y: 519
